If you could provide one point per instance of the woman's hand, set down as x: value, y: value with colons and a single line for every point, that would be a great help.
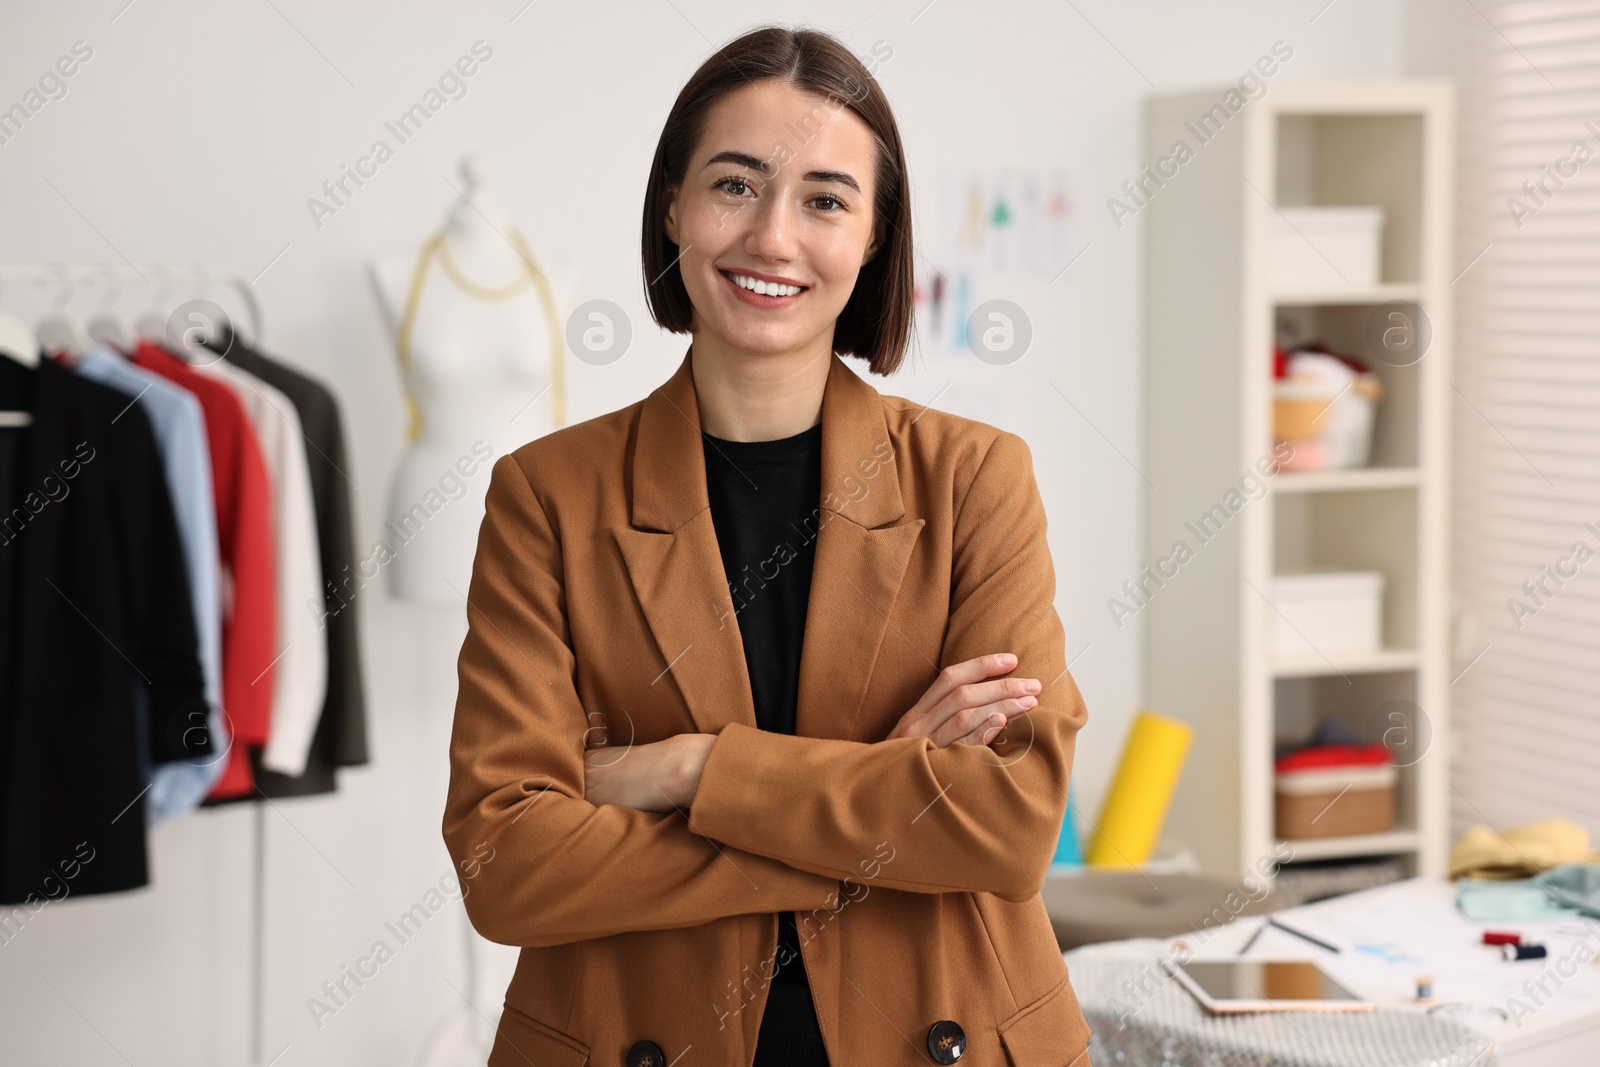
x: 967, y: 704
x: 661, y: 776
x: 961, y: 707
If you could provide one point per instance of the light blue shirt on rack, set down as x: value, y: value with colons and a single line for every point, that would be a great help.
x: 179, y: 425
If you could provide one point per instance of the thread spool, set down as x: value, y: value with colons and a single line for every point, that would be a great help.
x: 1501, y: 937
x: 1523, y: 952
x: 1424, y: 989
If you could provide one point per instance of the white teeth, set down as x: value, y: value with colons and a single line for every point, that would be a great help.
x: 762, y: 288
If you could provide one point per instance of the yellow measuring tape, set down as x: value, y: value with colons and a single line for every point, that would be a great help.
x: 436, y: 246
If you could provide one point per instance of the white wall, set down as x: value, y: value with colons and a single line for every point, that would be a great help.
x: 197, y: 132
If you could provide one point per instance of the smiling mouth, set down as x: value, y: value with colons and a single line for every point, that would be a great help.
x: 754, y: 290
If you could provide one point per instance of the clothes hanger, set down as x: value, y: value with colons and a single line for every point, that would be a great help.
x: 152, y: 325
x: 60, y: 331
x: 205, y: 336
x: 208, y: 332
x: 111, y: 327
x: 193, y: 330
x: 252, y: 307
x: 18, y: 343
x: 17, y: 339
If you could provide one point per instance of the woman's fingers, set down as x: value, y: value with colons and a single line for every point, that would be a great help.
x: 979, y: 725
x: 967, y: 704
x: 986, y: 731
x: 964, y: 673
x: 932, y: 709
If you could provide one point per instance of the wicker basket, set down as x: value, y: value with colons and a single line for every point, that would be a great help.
x: 1329, y: 427
x: 1295, y: 418
x: 1335, y: 802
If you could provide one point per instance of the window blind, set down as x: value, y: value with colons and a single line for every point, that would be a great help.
x: 1526, y: 417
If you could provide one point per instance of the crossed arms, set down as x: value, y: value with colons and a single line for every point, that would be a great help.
x: 777, y: 820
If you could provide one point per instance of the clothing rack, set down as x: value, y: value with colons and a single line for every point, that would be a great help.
x: 113, y: 278
x: 107, y: 275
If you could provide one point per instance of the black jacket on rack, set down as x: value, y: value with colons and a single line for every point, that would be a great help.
x: 341, y: 737
x: 97, y: 621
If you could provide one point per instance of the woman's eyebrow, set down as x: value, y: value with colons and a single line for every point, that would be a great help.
x: 745, y: 159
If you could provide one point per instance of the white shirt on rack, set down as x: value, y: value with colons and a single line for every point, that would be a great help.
x: 300, y: 673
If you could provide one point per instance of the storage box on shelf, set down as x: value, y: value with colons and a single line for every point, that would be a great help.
x: 1323, y: 247
x: 1334, y: 791
x: 1216, y: 301
x: 1363, y: 329
x: 1327, y: 611
x: 1357, y: 531
x: 1361, y: 802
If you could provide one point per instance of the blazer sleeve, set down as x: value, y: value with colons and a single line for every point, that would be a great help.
x: 347, y: 701
x: 165, y: 642
x: 965, y: 818
x: 539, y: 864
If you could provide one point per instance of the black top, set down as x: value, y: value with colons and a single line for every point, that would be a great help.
x: 764, y: 505
x: 341, y: 736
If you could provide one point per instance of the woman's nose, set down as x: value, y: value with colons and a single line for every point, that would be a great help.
x: 771, y: 233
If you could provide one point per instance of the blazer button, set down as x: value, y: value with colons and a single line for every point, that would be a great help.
x: 646, y: 1054
x: 946, y: 1041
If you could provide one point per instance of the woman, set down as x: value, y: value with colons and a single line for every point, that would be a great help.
x: 764, y: 725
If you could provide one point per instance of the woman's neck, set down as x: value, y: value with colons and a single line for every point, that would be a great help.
x: 746, y: 396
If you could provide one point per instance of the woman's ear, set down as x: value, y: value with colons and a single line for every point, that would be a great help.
x: 873, y: 245
x: 670, y: 215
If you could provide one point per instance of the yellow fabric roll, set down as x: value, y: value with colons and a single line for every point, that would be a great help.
x: 1136, y: 806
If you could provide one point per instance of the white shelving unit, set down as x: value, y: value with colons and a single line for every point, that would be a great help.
x: 1212, y: 315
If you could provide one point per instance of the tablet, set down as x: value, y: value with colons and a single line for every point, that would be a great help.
x: 1265, y: 985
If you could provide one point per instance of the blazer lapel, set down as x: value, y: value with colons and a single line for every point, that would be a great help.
x: 676, y: 569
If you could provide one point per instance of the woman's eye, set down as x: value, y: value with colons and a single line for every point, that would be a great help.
x: 739, y: 187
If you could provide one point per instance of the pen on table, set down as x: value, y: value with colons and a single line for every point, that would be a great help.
x: 1252, y: 940
x: 1301, y: 934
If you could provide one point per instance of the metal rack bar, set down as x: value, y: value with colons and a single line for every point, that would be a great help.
x: 167, y: 276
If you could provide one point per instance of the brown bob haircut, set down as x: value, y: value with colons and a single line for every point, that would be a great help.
x: 875, y: 324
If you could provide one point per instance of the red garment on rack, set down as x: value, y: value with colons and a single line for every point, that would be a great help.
x: 245, y: 535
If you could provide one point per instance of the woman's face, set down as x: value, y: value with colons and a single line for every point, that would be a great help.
x: 779, y: 191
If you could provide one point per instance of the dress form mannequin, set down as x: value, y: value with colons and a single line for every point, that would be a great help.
x: 480, y: 352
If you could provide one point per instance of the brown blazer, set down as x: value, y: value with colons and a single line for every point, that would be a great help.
x: 599, y: 614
